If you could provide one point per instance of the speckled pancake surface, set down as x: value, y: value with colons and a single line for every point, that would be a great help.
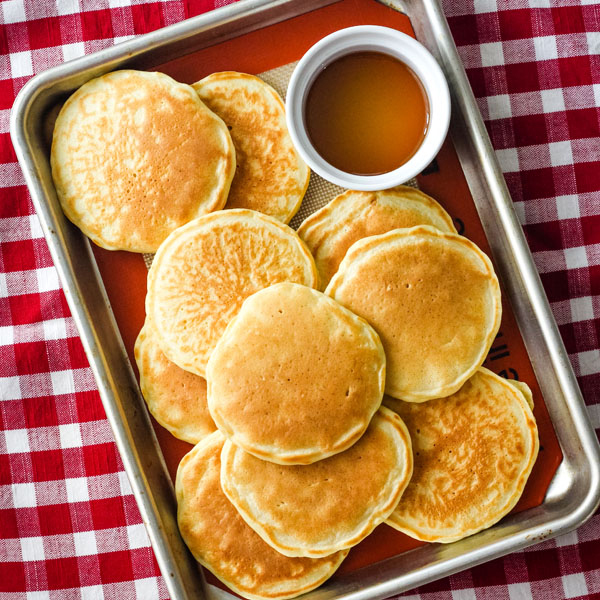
x: 354, y: 215
x: 205, y: 270
x: 473, y: 454
x: 135, y: 155
x: 296, y: 377
x: 176, y: 398
x: 434, y: 300
x: 222, y: 542
x: 314, y: 510
x: 270, y: 175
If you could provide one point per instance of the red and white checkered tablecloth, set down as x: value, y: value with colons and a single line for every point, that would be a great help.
x: 69, y: 526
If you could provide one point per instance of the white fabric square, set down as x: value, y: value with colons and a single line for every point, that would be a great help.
x: 67, y: 7
x: 499, y: 107
x: 492, y: 54
x: 574, y: 585
x: 138, y: 538
x: 32, y: 548
x: 62, y: 382
x: 23, y: 495
x: 85, y: 543
x: 568, y: 539
x: 7, y: 335
x: 55, y: 329
x: 41, y: 595
x: 35, y: 227
x: 47, y: 279
x: 21, y: 64
x: 553, y: 100
x: 71, y: 51
x: 70, y: 435
x: 596, y: 88
x: 146, y: 588
x: 124, y: 484
x: 466, y: 594
x: 575, y: 258
x: 3, y: 286
x: 581, y: 309
x: 118, y: 3
x: 545, y: 47
x: 13, y: 11
x: 10, y: 388
x: 483, y: 6
x: 593, y: 41
x: 539, y: 4
x: 519, y: 591
x: 92, y: 592
x: 567, y: 207
x: 561, y: 153
x: 508, y: 159
x: 77, y: 489
x: 589, y: 362
x: 594, y: 412
x: 17, y: 441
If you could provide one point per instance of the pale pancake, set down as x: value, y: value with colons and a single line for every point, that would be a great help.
x: 314, y: 510
x: 434, y: 300
x: 205, y: 270
x: 222, y: 542
x: 176, y: 398
x: 270, y: 177
x: 351, y: 216
x: 135, y: 155
x: 473, y: 454
x: 296, y: 377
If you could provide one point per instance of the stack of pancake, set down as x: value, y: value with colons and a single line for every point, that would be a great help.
x: 329, y: 378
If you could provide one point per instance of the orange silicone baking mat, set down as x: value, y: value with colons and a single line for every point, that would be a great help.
x: 124, y: 274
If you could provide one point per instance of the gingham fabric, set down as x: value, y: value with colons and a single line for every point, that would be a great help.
x: 69, y: 526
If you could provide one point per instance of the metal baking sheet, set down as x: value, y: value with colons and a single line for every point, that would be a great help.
x: 575, y: 489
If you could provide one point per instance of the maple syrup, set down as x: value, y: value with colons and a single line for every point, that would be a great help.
x: 366, y: 113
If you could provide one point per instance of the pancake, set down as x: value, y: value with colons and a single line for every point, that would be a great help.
x: 434, y: 300
x: 205, y: 270
x: 135, y: 155
x: 296, y: 377
x: 314, y: 510
x: 270, y: 175
x: 473, y: 454
x: 351, y: 216
x: 176, y: 398
x: 222, y: 542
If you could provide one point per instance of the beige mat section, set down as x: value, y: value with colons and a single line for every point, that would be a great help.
x: 319, y: 192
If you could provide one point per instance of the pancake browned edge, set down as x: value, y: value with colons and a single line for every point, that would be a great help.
x: 270, y: 177
x: 205, y: 270
x: 135, y: 155
x: 176, y: 398
x: 296, y: 377
x: 473, y: 454
x: 434, y: 300
x: 330, y: 505
x: 222, y: 542
x: 353, y: 215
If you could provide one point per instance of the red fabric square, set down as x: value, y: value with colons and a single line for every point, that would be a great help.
x: 146, y: 18
x: 40, y: 411
x: 583, y: 123
x: 12, y: 577
x: 575, y: 70
x: 567, y: 19
x: 23, y: 309
x: 100, y: 459
x: 55, y: 519
x: 541, y: 563
x: 44, y: 33
x: 594, y: 271
x: 89, y: 406
x: 538, y: 183
x: 586, y: 175
x: 77, y: 354
x: 522, y: 77
x: 465, y: 27
x: 47, y: 465
x: 96, y: 25
x: 590, y: 555
x: 32, y: 357
x: 14, y: 201
x: 515, y: 24
x: 115, y: 566
x: 18, y: 256
x: 7, y: 152
x: 491, y: 573
x: 543, y: 236
x: 477, y: 81
x: 530, y: 130
x: 8, y: 520
x: 62, y: 573
x: 7, y: 94
x: 107, y: 513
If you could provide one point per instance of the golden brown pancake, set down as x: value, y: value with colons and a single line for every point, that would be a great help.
x: 222, y: 542
x: 353, y: 215
x: 270, y: 175
x: 434, y: 300
x: 473, y: 454
x: 314, y: 510
x: 205, y: 270
x: 176, y: 398
x: 135, y: 155
x: 296, y: 377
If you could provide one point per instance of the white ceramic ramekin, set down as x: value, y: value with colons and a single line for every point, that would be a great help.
x: 376, y: 39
